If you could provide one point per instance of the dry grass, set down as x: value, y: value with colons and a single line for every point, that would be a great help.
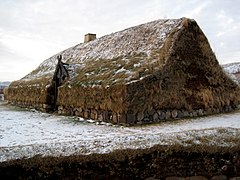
x: 107, y: 72
x: 32, y: 92
x: 190, y: 77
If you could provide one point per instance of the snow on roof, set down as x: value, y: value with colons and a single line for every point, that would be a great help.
x: 138, y: 39
x: 142, y: 39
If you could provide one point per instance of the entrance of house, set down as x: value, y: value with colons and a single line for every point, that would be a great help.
x: 1, y: 97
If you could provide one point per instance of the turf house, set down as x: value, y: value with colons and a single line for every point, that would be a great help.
x: 160, y: 70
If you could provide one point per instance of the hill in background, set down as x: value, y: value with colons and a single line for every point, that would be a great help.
x: 233, y: 70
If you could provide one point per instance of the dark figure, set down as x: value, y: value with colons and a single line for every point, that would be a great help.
x: 60, y: 74
x: 61, y: 71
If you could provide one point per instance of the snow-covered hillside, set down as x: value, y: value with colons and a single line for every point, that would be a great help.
x: 233, y: 70
x: 4, y: 83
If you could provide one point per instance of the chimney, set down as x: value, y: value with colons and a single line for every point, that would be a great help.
x: 89, y: 37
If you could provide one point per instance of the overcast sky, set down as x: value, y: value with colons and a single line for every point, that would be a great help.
x: 33, y: 30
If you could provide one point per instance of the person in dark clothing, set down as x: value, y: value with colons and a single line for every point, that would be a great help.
x: 61, y: 71
x: 60, y: 74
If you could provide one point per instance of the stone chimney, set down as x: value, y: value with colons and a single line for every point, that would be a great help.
x: 89, y: 37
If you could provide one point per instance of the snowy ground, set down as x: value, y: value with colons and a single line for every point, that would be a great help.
x: 24, y: 134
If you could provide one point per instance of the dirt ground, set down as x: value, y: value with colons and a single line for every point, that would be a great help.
x: 157, y: 162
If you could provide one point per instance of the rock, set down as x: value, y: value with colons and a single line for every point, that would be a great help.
x: 186, y: 114
x: 130, y: 118
x: 224, y: 168
x: 190, y: 114
x: 216, y: 110
x: 174, y: 113
x: 122, y: 119
x: 140, y: 116
x: 220, y: 109
x: 99, y: 116
x: 180, y: 114
x: 196, y: 178
x: 46, y: 106
x: 151, y: 178
x: 106, y: 116
x: 80, y: 109
x: 85, y: 114
x: 235, y: 178
x: 205, y: 112
x: 151, y: 112
x: 175, y: 178
x: 93, y: 114
x: 146, y: 114
x: 168, y: 115
x: 114, y: 118
x: 208, y: 111
x: 162, y: 115
x: 195, y: 113
x: 76, y: 113
x: 155, y: 117
x: 146, y: 120
x: 200, y: 112
x: 234, y: 106
x: 220, y: 177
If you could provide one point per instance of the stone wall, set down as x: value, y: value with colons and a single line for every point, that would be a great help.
x: 30, y: 105
x: 146, y: 117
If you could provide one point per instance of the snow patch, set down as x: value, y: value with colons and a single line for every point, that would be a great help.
x: 24, y: 134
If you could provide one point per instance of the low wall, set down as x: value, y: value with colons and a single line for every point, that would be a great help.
x: 152, y: 116
x: 130, y: 118
x: 37, y: 106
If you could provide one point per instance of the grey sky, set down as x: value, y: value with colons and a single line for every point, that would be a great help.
x: 33, y: 30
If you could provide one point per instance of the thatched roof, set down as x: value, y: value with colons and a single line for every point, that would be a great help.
x: 120, y: 57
